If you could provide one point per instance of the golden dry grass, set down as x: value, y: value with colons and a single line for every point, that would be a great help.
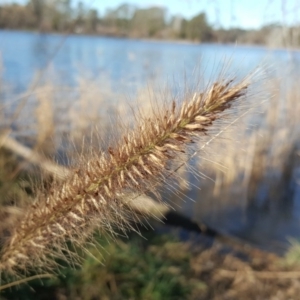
x: 264, y: 152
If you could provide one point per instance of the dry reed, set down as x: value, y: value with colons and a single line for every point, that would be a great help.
x: 264, y: 150
x: 89, y: 197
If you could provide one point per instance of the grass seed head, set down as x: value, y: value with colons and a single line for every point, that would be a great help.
x: 91, y: 197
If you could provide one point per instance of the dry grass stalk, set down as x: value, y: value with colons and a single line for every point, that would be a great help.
x: 88, y: 198
x: 45, y: 117
x: 267, y: 154
x: 33, y: 157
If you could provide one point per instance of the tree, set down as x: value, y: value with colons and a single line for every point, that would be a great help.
x: 80, y: 14
x: 198, y: 29
x: 148, y: 22
x: 92, y: 20
x: 37, y: 7
x: 119, y: 19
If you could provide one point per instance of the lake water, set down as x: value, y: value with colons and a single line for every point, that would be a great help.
x: 127, y: 63
x: 29, y: 58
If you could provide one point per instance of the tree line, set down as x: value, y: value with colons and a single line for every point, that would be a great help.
x: 130, y: 21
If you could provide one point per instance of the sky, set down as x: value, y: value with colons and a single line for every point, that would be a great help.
x: 225, y: 13
x: 246, y: 14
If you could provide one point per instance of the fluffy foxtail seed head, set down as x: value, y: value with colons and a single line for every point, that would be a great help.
x: 92, y: 196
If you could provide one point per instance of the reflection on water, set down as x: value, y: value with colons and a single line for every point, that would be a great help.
x: 131, y: 64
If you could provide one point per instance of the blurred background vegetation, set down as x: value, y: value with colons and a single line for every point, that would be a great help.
x: 128, y: 20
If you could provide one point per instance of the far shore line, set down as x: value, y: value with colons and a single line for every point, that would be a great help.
x: 152, y: 40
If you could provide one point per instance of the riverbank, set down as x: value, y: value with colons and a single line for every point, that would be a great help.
x: 150, y: 40
x: 158, y: 267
